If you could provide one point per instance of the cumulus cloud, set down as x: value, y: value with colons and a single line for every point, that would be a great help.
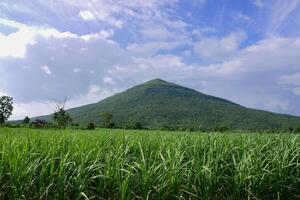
x: 49, y: 62
x: 219, y: 48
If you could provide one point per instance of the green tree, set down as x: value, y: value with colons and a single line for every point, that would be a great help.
x: 138, y: 125
x: 106, y: 119
x: 297, y: 130
x: 6, y: 108
x: 62, y: 118
x: 26, y: 120
x: 90, y: 126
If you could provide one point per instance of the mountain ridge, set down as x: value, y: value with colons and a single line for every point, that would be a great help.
x: 158, y: 103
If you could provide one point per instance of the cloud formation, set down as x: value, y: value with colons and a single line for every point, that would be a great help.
x: 89, y: 50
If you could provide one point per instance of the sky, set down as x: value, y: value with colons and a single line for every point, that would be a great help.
x: 246, y: 51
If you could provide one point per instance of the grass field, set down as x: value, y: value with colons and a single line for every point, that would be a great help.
x: 117, y: 164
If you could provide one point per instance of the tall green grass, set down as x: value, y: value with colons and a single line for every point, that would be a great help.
x: 117, y: 164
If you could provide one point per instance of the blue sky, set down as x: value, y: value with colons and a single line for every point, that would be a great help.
x: 245, y: 51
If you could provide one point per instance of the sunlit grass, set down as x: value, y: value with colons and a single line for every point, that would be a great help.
x: 117, y: 164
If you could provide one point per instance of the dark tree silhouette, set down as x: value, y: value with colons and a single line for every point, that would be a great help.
x: 6, y: 108
x: 60, y: 116
x: 26, y: 120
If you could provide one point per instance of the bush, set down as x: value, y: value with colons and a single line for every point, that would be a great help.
x: 138, y: 125
x: 297, y: 130
x: 90, y: 126
x: 221, y: 129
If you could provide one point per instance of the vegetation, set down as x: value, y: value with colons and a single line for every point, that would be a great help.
x: 158, y: 104
x: 118, y: 164
x: 60, y: 116
x: 106, y: 119
x: 6, y: 108
x: 26, y: 120
x: 90, y: 126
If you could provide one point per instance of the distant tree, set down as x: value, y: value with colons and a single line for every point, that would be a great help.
x: 221, y: 129
x: 75, y: 126
x: 138, y: 125
x: 106, y: 119
x: 60, y: 116
x: 6, y: 108
x: 26, y: 120
x: 90, y: 126
x: 297, y: 130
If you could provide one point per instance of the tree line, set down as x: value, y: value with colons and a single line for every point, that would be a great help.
x: 61, y: 119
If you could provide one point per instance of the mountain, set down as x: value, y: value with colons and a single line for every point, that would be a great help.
x: 157, y: 103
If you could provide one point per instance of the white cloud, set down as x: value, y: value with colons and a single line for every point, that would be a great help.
x: 241, y: 16
x: 291, y: 81
x: 46, y: 69
x: 108, y: 81
x: 213, y: 48
x: 87, y: 15
x: 69, y: 77
x: 94, y: 94
x: 11, y: 23
x: 157, y: 32
x: 31, y: 109
x: 267, y: 56
x: 104, y: 34
x: 15, y: 44
x: 2, y: 93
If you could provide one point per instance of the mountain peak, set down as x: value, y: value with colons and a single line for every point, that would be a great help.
x: 157, y: 80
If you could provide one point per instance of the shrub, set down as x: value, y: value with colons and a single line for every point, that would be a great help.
x: 90, y: 126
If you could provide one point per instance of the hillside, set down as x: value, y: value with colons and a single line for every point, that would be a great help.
x: 158, y: 104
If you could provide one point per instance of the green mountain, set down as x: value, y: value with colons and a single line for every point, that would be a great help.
x: 157, y: 103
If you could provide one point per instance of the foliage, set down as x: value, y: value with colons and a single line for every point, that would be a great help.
x: 221, y: 129
x: 26, y: 120
x: 138, y: 125
x: 106, y: 119
x: 6, y: 108
x: 119, y: 164
x: 62, y: 118
x: 90, y: 126
x: 297, y: 130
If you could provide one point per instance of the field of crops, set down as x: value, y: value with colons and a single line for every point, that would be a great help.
x: 117, y: 164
